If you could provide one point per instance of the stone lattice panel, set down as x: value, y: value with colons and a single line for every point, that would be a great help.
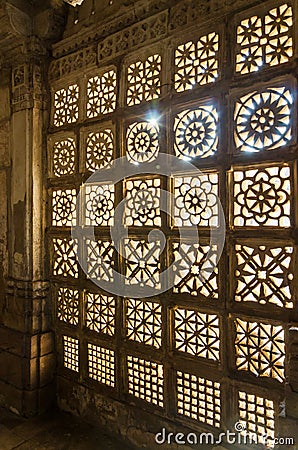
x: 68, y: 305
x: 265, y: 41
x: 260, y: 349
x: 102, y: 94
x: 66, y: 106
x: 199, y: 399
x: 99, y: 204
x: 99, y: 149
x: 262, y: 196
x: 264, y: 119
x: 144, y: 80
x: 196, y: 132
x: 257, y: 415
x: 100, y: 260
x: 145, y: 380
x: 264, y: 275
x: 144, y: 322
x: 197, y: 62
x: 64, y: 152
x: 100, y: 313
x: 101, y: 364
x: 195, y: 271
x: 142, y: 263
x: 142, y: 206
x: 64, y: 208
x: 142, y: 142
x: 65, y: 258
x: 71, y: 353
x: 196, y: 200
x: 197, y: 333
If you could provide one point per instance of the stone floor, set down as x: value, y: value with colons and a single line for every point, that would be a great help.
x: 53, y: 431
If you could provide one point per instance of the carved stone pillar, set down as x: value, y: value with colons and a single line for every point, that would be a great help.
x: 27, y: 358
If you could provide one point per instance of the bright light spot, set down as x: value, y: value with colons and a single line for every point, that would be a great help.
x: 153, y: 118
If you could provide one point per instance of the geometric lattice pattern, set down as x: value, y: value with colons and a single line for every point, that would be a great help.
x: 65, y: 261
x: 68, y: 305
x: 196, y: 201
x: 196, y: 132
x: 260, y: 349
x: 142, y: 202
x: 100, y: 260
x: 265, y: 41
x: 101, y: 364
x: 262, y: 197
x: 101, y: 94
x: 263, y: 120
x: 142, y: 263
x: 144, y: 322
x: 264, y: 274
x: 142, y: 142
x: 100, y: 313
x: 198, y: 399
x: 256, y: 413
x: 145, y: 380
x: 71, y: 353
x: 195, y: 270
x: 99, y: 205
x: 143, y: 79
x: 64, y: 208
x: 99, y: 149
x: 197, y: 62
x: 66, y: 106
x: 197, y: 333
x: 64, y: 157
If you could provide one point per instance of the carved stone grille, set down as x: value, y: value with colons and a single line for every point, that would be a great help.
x: 99, y: 149
x: 197, y: 333
x: 144, y: 322
x: 213, y: 349
x: 265, y: 40
x: 100, y: 313
x: 66, y: 106
x: 101, y: 364
x: 258, y: 415
x: 197, y: 62
x: 196, y: 132
x: 199, y: 399
x: 260, y: 349
x: 264, y: 275
x: 64, y: 157
x: 143, y: 80
x: 145, y: 380
x: 101, y: 93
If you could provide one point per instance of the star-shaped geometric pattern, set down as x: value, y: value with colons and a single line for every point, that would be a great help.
x: 143, y: 322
